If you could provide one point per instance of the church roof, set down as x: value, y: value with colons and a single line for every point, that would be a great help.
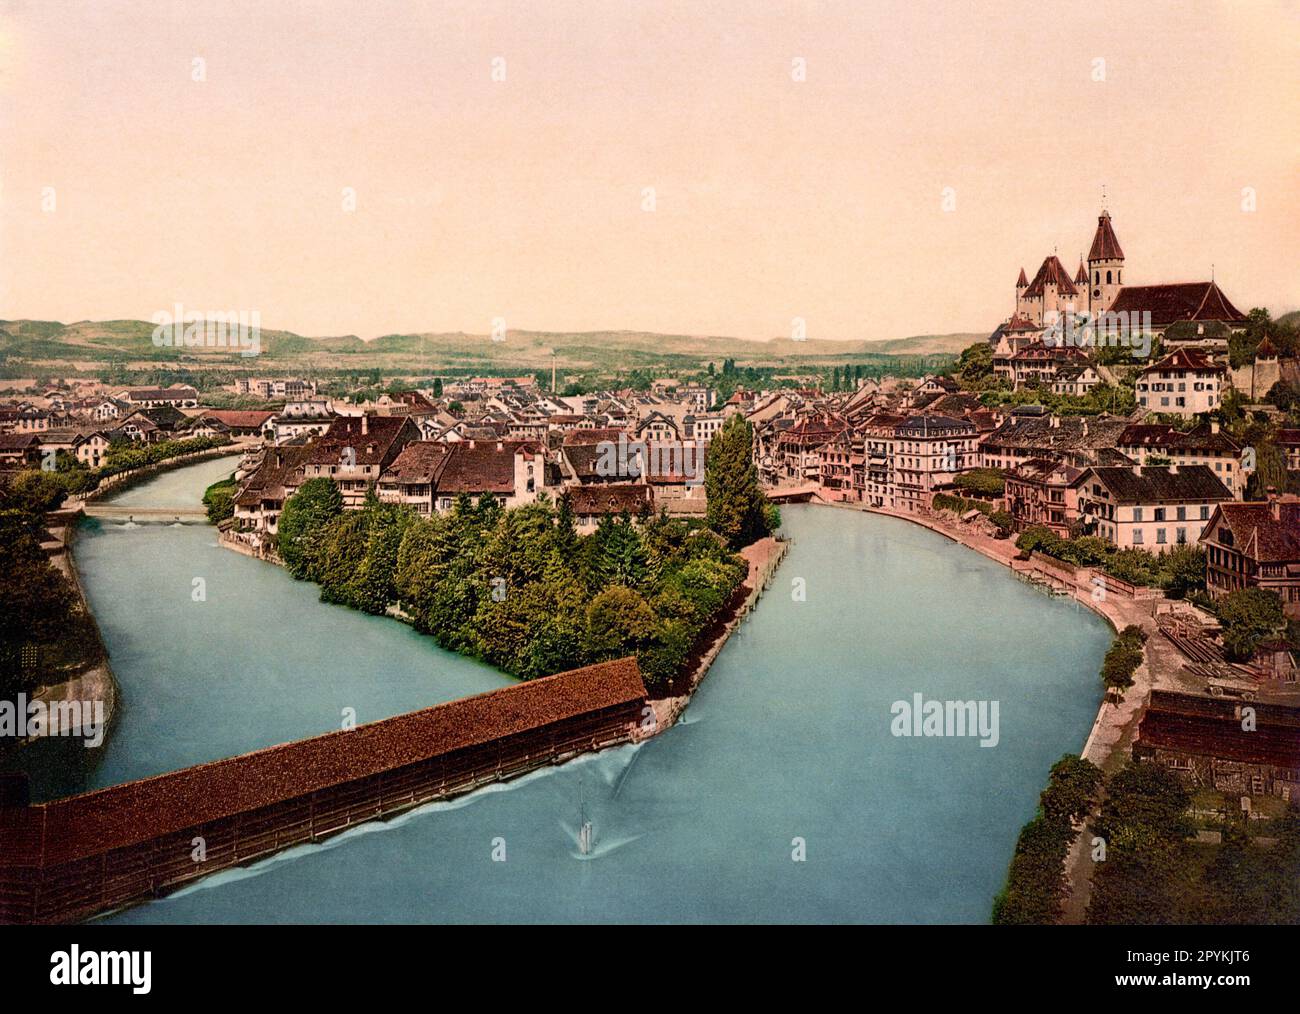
x: 1168, y: 304
x: 1105, y: 247
x: 1081, y: 276
x: 1022, y: 281
x: 1051, y: 273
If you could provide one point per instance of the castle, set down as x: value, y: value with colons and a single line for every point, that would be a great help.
x: 1099, y: 288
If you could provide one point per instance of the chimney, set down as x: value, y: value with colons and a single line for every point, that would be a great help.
x: 365, y: 424
x: 1214, y: 425
x: 1173, y: 469
x: 1054, y: 421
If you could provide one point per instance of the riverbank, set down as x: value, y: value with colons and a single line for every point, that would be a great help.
x: 81, y: 696
x: 121, y: 481
x: 763, y: 557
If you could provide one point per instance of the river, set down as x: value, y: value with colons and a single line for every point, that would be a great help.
x: 786, y: 749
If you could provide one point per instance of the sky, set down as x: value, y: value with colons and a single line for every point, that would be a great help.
x: 870, y: 169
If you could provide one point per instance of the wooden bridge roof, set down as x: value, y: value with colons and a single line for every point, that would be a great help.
x: 127, y: 814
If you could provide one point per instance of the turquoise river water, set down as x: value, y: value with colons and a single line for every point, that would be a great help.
x: 788, y: 738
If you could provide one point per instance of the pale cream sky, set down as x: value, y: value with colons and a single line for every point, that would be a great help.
x: 523, y: 199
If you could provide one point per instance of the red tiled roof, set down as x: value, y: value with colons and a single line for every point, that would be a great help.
x: 1259, y: 535
x: 238, y: 418
x: 370, y: 438
x: 419, y: 461
x: 614, y: 498
x: 1185, y: 359
x: 1169, y: 304
x: 479, y: 468
x: 1022, y: 281
x: 1105, y: 247
x: 122, y: 815
x: 593, y: 436
x: 1018, y: 323
x: 1051, y: 273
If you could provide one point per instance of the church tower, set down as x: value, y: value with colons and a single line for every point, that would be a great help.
x: 1105, y: 267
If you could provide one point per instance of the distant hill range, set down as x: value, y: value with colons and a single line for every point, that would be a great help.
x: 132, y: 341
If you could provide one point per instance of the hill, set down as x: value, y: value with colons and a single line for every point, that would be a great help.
x: 131, y: 341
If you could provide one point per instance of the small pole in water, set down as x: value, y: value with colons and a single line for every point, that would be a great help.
x: 584, y: 832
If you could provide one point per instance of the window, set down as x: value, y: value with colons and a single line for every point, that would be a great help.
x: 1137, y: 513
x: 1137, y: 536
x: 1160, y: 513
x: 1182, y: 513
x: 1205, y: 513
x: 1181, y: 536
x: 1160, y: 536
x: 1107, y: 277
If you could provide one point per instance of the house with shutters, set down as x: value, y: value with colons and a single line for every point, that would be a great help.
x: 1186, y: 382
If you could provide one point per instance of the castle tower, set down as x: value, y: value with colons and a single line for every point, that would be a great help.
x: 1022, y: 283
x: 1105, y: 267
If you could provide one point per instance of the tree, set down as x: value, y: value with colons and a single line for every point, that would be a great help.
x: 1144, y: 824
x: 305, y: 514
x: 1072, y: 789
x: 219, y: 499
x: 736, y: 505
x: 1249, y: 616
x: 619, y: 621
x: 975, y: 363
x: 987, y: 482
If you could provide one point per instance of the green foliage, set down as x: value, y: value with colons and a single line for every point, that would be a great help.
x: 1123, y: 658
x: 1144, y: 825
x: 1155, y: 872
x: 125, y: 457
x: 1249, y: 616
x: 960, y: 505
x: 737, y: 508
x: 520, y: 589
x: 1035, y: 883
x: 974, y: 364
x: 219, y: 499
x: 305, y: 514
x: 988, y: 482
x: 37, y: 604
x: 1179, y: 571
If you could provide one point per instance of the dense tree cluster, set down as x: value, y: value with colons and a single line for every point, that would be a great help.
x: 1179, y: 571
x: 519, y: 588
x: 1148, y: 868
x: 42, y: 626
x: 1249, y: 617
x: 1157, y: 873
